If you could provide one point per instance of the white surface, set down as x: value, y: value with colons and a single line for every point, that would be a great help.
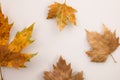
x: 71, y: 43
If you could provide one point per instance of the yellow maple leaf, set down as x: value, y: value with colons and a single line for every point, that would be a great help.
x: 10, y: 54
x: 102, y: 44
x: 63, y: 14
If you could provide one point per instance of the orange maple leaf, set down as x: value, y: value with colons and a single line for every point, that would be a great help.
x: 10, y: 54
x: 63, y: 14
x: 102, y: 44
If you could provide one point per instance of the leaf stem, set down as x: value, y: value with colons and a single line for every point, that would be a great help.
x: 113, y: 59
x: 1, y: 77
x: 65, y: 1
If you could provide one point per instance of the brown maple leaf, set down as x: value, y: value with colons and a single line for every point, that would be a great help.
x: 63, y: 14
x: 102, y: 44
x: 10, y: 54
x: 62, y: 71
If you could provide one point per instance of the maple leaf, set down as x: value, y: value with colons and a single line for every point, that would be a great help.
x: 63, y: 14
x: 10, y: 54
x: 62, y: 71
x: 102, y: 44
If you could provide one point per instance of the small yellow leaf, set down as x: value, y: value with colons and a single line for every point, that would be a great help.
x: 63, y: 14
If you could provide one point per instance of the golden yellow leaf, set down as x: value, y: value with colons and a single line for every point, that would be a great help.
x: 102, y: 44
x: 10, y: 54
x: 62, y: 71
x: 63, y: 14
x: 4, y: 29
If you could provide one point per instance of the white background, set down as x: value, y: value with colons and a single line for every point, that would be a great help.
x: 71, y: 43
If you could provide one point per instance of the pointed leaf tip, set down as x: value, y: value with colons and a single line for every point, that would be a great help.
x: 61, y: 58
x: 32, y: 55
x: 31, y: 27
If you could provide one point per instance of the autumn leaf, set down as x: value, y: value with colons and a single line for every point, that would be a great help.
x: 63, y: 14
x: 10, y: 54
x: 102, y: 44
x: 62, y: 71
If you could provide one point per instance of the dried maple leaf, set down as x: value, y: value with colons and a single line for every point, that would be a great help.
x: 62, y: 71
x: 102, y: 44
x: 63, y: 14
x: 10, y: 54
